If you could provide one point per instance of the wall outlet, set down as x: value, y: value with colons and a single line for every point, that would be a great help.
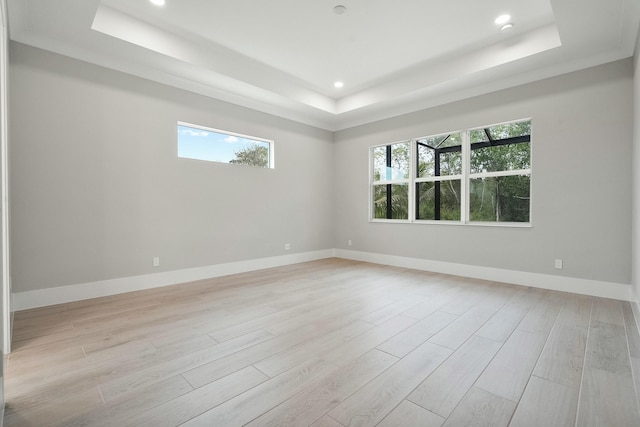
x: 287, y: 246
x: 156, y: 261
x: 349, y: 242
x: 558, y: 264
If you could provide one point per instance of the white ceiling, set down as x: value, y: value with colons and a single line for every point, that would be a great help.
x: 283, y: 56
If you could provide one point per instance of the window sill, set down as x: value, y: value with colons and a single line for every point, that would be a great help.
x: 455, y: 223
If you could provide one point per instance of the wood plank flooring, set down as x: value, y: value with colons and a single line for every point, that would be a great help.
x: 327, y: 343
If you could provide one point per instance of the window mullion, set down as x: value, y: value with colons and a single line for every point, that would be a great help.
x: 464, y: 182
x: 500, y: 173
x: 413, y: 170
x: 389, y: 186
x: 438, y: 178
x: 436, y: 185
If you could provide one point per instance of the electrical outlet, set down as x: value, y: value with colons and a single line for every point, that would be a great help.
x: 156, y: 261
x: 558, y: 264
x: 349, y: 242
x: 287, y: 246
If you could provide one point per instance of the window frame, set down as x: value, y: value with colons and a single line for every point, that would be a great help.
x: 464, y: 177
x: 439, y: 178
x: 271, y: 156
x: 388, y: 182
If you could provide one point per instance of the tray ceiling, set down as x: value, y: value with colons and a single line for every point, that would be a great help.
x: 284, y: 56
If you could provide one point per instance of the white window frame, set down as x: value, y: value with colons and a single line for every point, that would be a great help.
x: 228, y: 133
x: 461, y: 177
x: 406, y: 181
x: 465, y: 181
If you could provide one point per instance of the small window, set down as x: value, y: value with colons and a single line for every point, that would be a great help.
x: 201, y: 143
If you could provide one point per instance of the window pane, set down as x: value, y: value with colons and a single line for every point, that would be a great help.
x: 502, y: 199
x: 391, y: 162
x: 391, y: 201
x: 215, y: 146
x: 494, y: 148
x: 438, y: 200
x: 478, y: 135
x: 510, y: 130
x: 440, y: 155
x: 501, y: 158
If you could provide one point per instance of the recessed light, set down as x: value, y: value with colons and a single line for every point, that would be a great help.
x: 338, y: 85
x: 339, y: 9
x: 506, y: 27
x: 158, y: 2
x: 502, y: 19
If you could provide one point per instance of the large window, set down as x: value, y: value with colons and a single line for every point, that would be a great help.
x: 474, y: 176
x: 201, y: 143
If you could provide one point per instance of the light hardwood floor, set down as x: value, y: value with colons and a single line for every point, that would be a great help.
x: 327, y: 343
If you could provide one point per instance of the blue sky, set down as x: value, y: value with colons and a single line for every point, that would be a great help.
x: 194, y: 143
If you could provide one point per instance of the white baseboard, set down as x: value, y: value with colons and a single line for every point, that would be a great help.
x: 64, y: 294
x: 71, y: 293
x: 596, y: 288
x: 635, y: 308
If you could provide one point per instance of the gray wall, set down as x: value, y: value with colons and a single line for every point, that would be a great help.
x: 97, y: 189
x: 581, y: 142
x: 5, y: 328
x: 636, y: 179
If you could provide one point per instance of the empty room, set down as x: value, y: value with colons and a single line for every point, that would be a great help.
x: 320, y: 213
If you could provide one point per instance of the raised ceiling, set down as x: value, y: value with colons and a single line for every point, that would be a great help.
x: 283, y: 56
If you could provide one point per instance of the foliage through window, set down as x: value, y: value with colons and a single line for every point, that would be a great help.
x: 201, y: 143
x: 391, y: 181
x: 478, y: 175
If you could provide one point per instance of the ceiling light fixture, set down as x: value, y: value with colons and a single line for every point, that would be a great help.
x: 502, y: 19
x: 158, y: 2
x: 506, y: 27
x: 338, y: 85
x: 339, y: 9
